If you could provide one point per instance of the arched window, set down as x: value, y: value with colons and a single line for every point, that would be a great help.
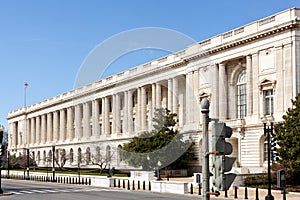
x: 119, y: 158
x: 98, y: 155
x: 108, y: 154
x: 88, y: 156
x: 79, y: 155
x: 71, y: 156
x: 241, y: 95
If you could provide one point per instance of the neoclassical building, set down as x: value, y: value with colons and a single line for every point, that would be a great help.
x: 247, y: 73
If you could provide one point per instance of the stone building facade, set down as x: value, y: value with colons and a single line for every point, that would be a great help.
x: 247, y: 73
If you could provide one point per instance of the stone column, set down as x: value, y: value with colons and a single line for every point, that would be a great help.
x: 138, y: 111
x: 70, y: 125
x: 14, y: 134
x: 255, y: 71
x: 49, y: 128
x: 215, y: 92
x: 32, y: 121
x: 113, y: 114
x: 175, y: 108
x: 125, y: 113
x: 38, y: 129
x: 170, y: 95
x: 130, y: 120
x: 196, y: 109
x: 279, y: 95
x: 78, y: 121
x: 103, y: 115
x: 106, y: 117
x: 44, y: 128
x: 95, y: 117
x: 86, y: 120
x: 55, y: 126
x: 222, y: 92
x: 62, y: 123
x: 249, y: 85
x: 117, y: 115
x: 288, y: 73
x: 189, y: 101
x: 143, y: 109
x: 153, y: 103
x: 158, y: 95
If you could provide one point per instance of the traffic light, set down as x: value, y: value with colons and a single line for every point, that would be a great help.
x: 221, y: 162
x: 274, y: 154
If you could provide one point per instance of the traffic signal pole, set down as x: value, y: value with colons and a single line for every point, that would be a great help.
x: 205, y: 149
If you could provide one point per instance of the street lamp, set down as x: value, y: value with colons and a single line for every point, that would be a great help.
x: 158, y: 174
x: 268, y: 130
x: 1, y: 138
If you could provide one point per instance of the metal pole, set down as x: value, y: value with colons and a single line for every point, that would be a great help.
x: 27, y: 164
x: 268, y: 132
x: 53, y: 163
x: 1, y: 191
x: 205, y: 158
x: 8, y: 165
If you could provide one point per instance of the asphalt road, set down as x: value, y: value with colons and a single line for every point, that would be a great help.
x: 30, y: 190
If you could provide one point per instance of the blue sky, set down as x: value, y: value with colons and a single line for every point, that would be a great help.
x: 44, y: 43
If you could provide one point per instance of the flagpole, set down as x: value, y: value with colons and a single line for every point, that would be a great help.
x: 25, y: 87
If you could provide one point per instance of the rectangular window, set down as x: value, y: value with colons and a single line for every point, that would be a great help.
x: 268, y: 102
x: 242, y: 101
x: 110, y: 128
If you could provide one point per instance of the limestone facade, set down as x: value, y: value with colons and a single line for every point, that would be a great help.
x: 247, y: 73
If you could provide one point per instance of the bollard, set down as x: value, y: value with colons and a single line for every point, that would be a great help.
x: 123, y: 183
x: 128, y: 185
x: 90, y: 181
x: 256, y: 194
x: 144, y: 185
x: 119, y: 183
x: 149, y: 186
x: 115, y: 185
x: 138, y: 185
x: 133, y: 188
x: 235, y: 192
x: 192, y: 192
x: 199, y: 189
x: 246, y: 193
x: 226, y: 195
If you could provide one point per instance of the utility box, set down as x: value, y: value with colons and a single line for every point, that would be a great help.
x: 281, y: 179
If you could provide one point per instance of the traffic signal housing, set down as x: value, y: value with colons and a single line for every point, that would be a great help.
x: 274, y: 154
x: 222, y: 164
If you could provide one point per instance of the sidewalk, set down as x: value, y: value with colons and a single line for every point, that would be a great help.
x: 241, y: 192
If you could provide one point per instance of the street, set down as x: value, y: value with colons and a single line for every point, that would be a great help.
x: 30, y: 190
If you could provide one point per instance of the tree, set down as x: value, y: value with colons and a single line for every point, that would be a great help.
x: 163, y: 146
x: 61, y: 159
x: 100, y: 160
x: 287, y: 136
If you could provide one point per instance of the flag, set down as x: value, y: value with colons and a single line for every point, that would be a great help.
x: 25, y: 85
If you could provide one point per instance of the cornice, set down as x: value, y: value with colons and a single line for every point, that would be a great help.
x: 241, y: 41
